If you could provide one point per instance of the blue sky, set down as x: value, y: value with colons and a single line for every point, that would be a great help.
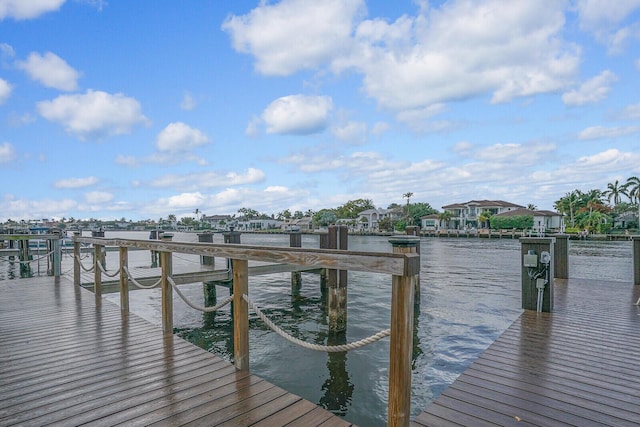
x: 142, y: 109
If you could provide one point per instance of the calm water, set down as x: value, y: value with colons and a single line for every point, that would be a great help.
x: 470, y: 294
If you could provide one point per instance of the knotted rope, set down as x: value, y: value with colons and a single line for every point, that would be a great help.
x: 326, y: 348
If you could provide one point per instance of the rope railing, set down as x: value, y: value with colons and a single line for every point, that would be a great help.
x: 194, y: 306
x: 28, y: 260
x: 106, y: 273
x: 138, y: 284
x: 326, y: 348
x: 87, y: 269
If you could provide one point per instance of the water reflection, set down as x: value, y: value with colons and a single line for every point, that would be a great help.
x: 338, y: 387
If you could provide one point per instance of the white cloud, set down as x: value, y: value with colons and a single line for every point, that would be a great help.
x: 462, y: 50
x: 27, y: 9
x: 519, y: 154
x: 5, y: 91
x: 76, y: 182
x: 631, y: 112
x: 187, y: 103
x: 379, y: 128
x: 98, y: 197
x: 13, y: 207
x: 602, y: 18
x: 14, y: 119
x: 95, y: 114
x: 184, y: 200
x: 595, y: 15
x: 601, y: 132
x: 253, y: 127
x: 194, y: 181
x: 7, y: 152
x: 298, y: 114
x: 294, y: 34
x: 178, y: 137
x: 6, y: 50
x: 129, y: 161
x: 593, y: 90
x: 50, y: 70
x: 351, y: 131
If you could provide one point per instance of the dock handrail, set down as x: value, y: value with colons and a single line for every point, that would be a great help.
x: 404, y: 266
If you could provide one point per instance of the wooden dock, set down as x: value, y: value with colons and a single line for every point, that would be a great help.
x: 578, y: 366
x: 69, y: 359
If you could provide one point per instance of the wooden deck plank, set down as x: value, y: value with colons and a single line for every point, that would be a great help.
x: 68, y: 358
x: 575, y: 366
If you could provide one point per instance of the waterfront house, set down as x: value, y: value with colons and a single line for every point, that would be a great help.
x: 466, y: 215
x: 430, y: 222
x: 298, y: 224
x: 370, y: 218
x: 218, y: 222
x: 543, y: 221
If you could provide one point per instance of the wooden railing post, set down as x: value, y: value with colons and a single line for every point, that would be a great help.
x: 167, y: 292
x: 124, y: 279
x: 56, y: 258
x: 240, y: 314
x: 636, y: 259
x: 561, y: 256
x: 295, y: 241
x: 337, y: 296
x: 401, y: 344
x: 97, y: 273
x: 76, y: 263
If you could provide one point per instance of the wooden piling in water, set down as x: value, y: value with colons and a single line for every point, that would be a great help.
x: 401, y: 345
x: 561, y: 256
x: 206, y: 237
x: 338, y: 238
x: 240, y: 314
x: 295, y: 241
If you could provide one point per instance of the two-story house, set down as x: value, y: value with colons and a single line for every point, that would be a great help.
x: 466, y: 215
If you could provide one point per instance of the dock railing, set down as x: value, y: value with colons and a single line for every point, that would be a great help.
x: 402, y: 265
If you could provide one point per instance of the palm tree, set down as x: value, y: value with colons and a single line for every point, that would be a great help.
x: 485, y: 217
x: 444, y: 217
x: 592, y: 199
x: 614, y: 191
x: 408, y: 196
x: 532, y: 207
x: 567, y: 204
x: 632, y: 187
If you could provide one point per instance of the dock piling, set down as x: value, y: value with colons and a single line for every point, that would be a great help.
x: 537, y: 276
x: 338, y: 238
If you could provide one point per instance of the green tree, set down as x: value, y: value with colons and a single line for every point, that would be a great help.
x: 485, y: 218
x: 408, y: 196
x: 284, y: 215
x: 444, y: 218
x: 532, y: 207
x: 614, y: 191
x: 417, y: 210
x: 632, y: 187
x: 325, y: 217
x: 248, y: 214
x: 568, y: 203
x: 352, y: 208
